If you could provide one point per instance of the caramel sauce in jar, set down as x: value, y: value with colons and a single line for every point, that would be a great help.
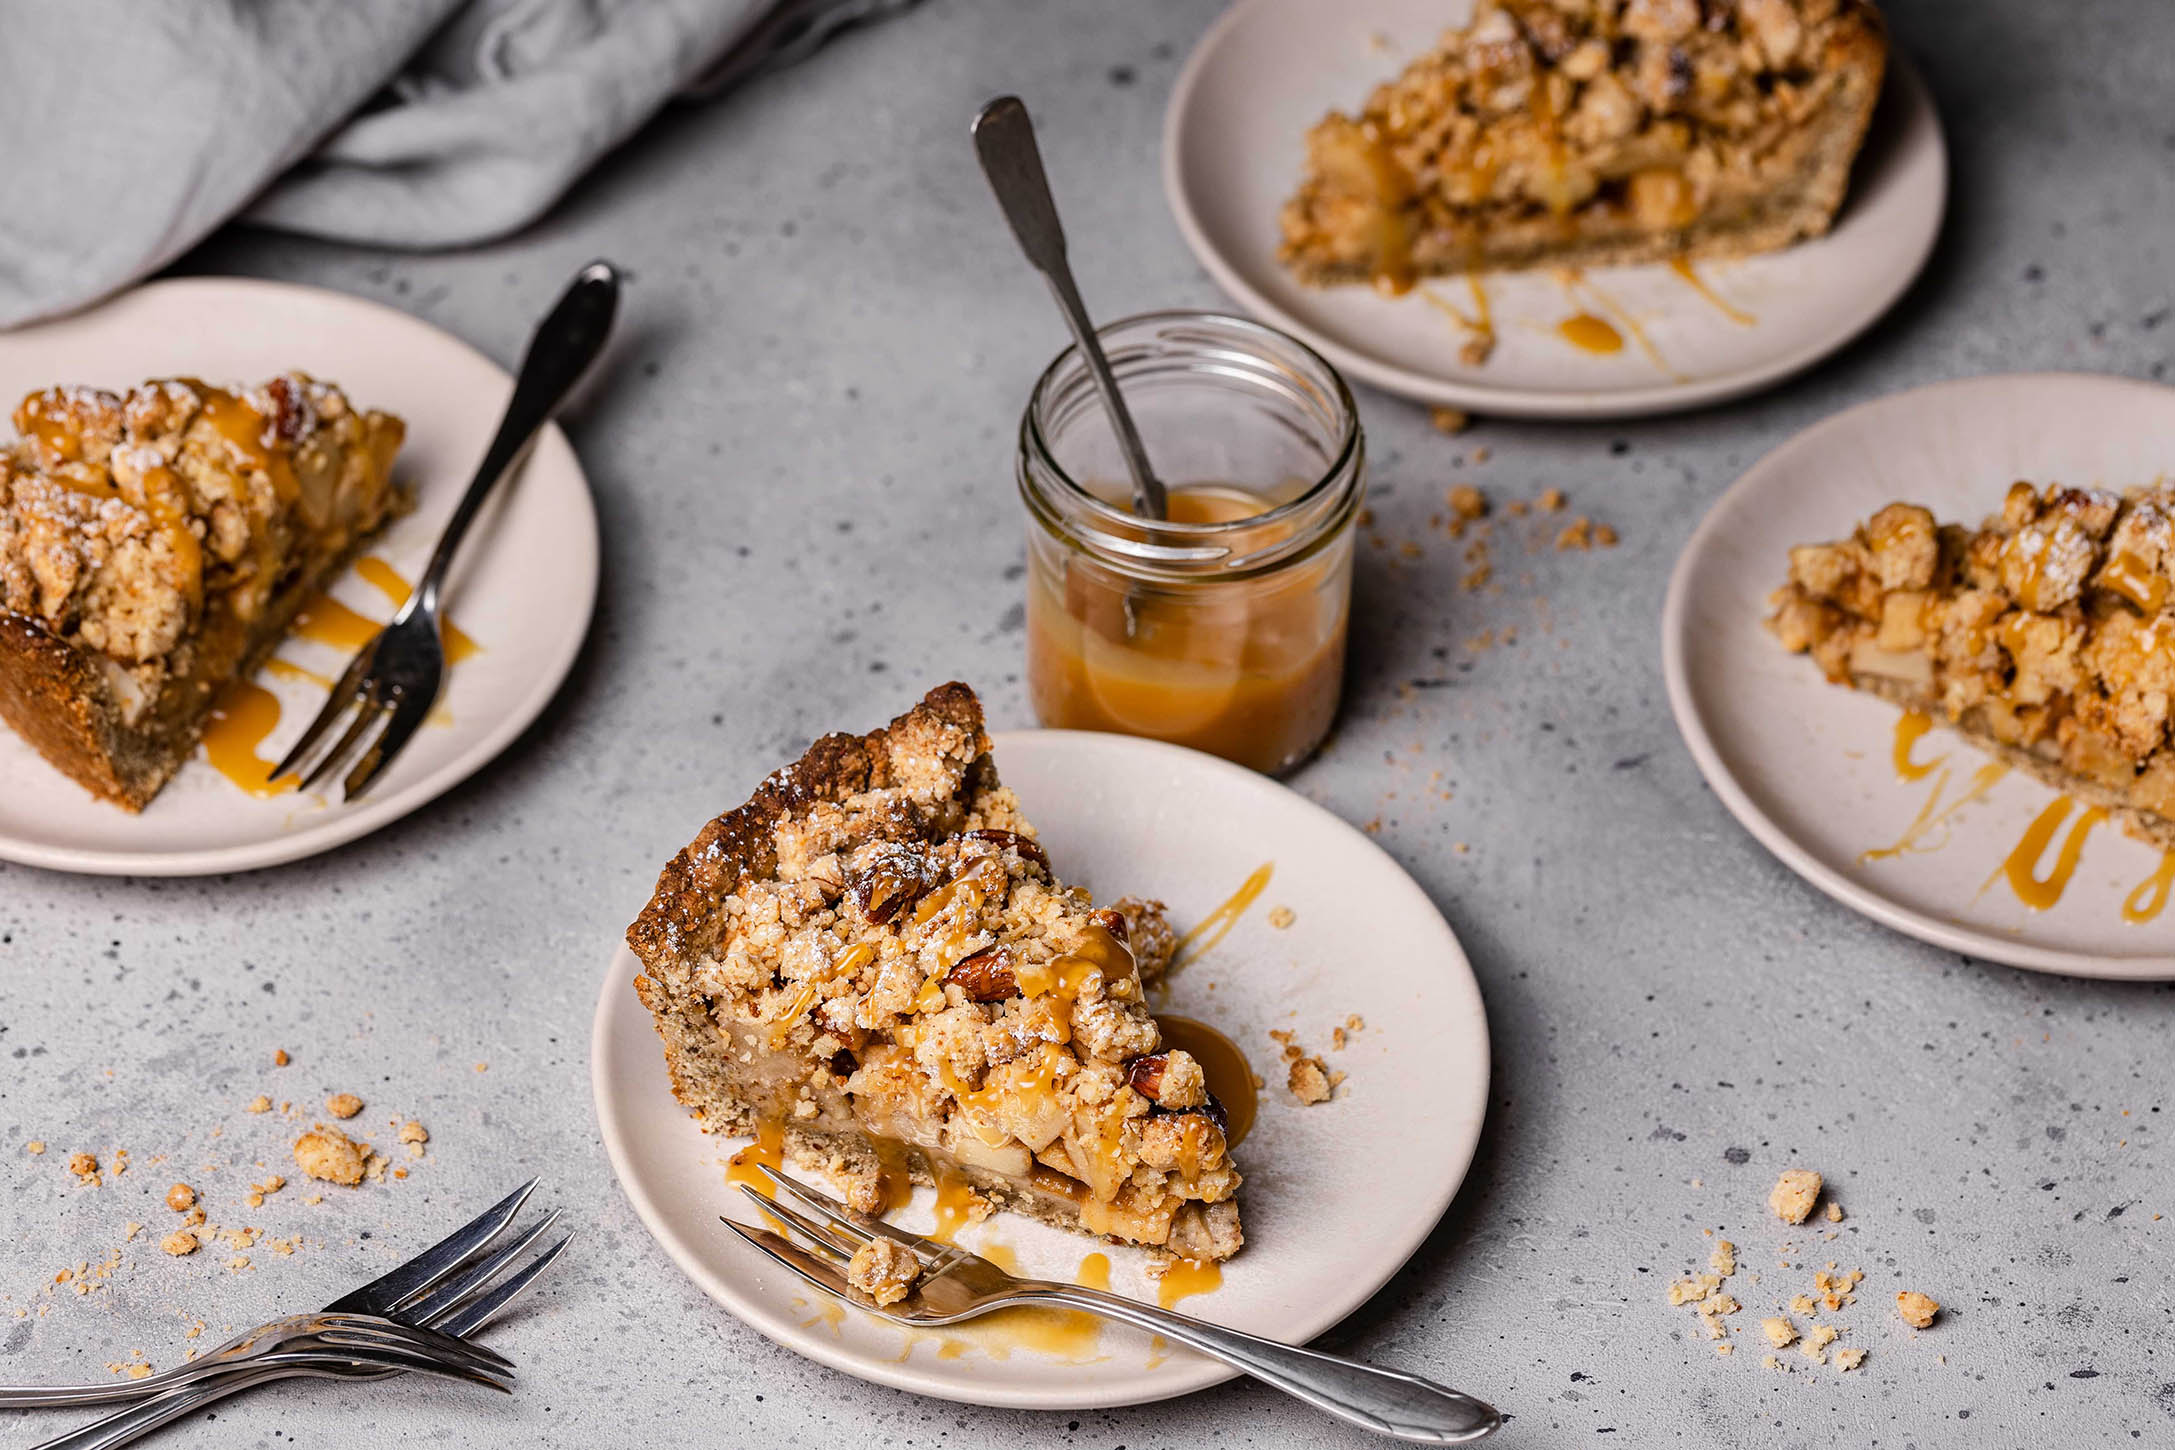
x: 1221, y: 627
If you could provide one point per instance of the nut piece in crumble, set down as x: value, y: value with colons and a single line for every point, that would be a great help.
x: 1917, y: 1310
x: 1794, y: 1194
x: 331, y: 1155
x: 874, y: 959
x: 1592, y: 133
x: 884, y: 1271
x: 2044, y: 636
x: 155, y: 547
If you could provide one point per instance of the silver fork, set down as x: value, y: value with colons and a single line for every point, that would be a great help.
x: 395, y: 678
x: 957, y: 1284
x: 448, y: 1287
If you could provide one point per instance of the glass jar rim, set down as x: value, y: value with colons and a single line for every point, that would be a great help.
x: 1036, y: 447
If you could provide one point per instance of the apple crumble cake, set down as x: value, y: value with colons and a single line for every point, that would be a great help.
x: 155, y: 547
x: 2045, y: 636
x: 1593, y: 132
x: 872, y: 962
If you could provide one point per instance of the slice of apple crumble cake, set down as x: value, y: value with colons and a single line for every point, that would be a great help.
x: 2045, y: 637
x: 155, y: 547
x: 872, y: 961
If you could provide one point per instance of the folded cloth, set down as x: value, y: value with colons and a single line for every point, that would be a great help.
x: 132, y: 130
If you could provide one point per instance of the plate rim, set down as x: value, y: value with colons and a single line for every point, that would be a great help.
x: 1699, y: 740
x: 346, y: 826
x: 1533, y: 403
x: 992, y: 1392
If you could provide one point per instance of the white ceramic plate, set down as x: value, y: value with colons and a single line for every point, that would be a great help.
x: 524, y: 587
x: 1807, y: 766
x: 1337, y: 1195
x: 1233, y: 148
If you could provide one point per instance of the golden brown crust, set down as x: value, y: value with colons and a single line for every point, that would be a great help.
x: 684, y: 913
x: 47, y: 695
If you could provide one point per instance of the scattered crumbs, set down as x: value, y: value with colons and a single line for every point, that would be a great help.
x: 118, y: 1164
x: 1461, y: 848
x: 1849, y: 1359
x: 1281, y: 917
x: 85, y: 1168
x: 1449, y: 420
x: 280, y: 1057
x: 130, y: 1230
x: 140, y: 1369
x: 1770, y: 1362
x: 483, y: 1067
x: 331, y: 1155
x: 1835, y: 1211
x: 1517, y: 508
x: 1803, y: 1304
x: 1817, y: 1338
x: 1725, y: 1347
x: 343, y: 1105
x: 1794, y: 1194
x: 236, y: 1264
x: 1576, y: 535
x: 1724, y: 1258
x: 34, y: 1147
x: 260, y: 1104
x: 180, y: 1242
x: 1779, y: 1331
x: 1482, y: 454
x: 1917, y: 1310
x: 180, y: 1198
x: 1467, y: 502
x: 1551, y: 500
x: 1605, y: 536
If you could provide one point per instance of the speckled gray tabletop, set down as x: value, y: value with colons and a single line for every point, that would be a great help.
x: 804, y: 456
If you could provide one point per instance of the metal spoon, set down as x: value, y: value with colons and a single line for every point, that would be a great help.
x: 1004, y: 139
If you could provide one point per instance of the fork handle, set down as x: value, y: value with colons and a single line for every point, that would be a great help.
x: 1386, y: 1401
x: 140, y: 1419
x: 566, y: 343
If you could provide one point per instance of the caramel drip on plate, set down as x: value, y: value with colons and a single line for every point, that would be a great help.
x: 1480, y: 322
x: 280, y: 669
x: 387, y: 580
x: 1589, y: 333
x: 1910, y: 726
x: 325, y: 620
x: 1215, y: 926
x: 2145, y: 902
x: 1682, y: 266
x: 1071, y: 1335
x: 244, y: 715
x: 1230, y: 1076
x: 1186, y: 1278
x: 2022, y: 868
x: 767, y: 1151
x: 953, y: 1202
x: 1934, y: 815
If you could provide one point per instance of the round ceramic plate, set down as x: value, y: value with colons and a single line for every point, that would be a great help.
x: 1808, y: 767
x: 1122, y: 815
x: 1234, y: 146
x: 523, y: 589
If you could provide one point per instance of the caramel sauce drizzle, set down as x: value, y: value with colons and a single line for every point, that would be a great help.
x: 1480, y: 322
x: 2147, y: 899
x: 2022, y: 867
x: 1186, y: 1278
x: 1592, y: 333
x: 1215, y: 926
x: 1934, y: 815
x: 244, y: 715
x: 1682, y: 266
x: 1589, y: 333
x: 1230, y: 1076
x: 1910, y: 727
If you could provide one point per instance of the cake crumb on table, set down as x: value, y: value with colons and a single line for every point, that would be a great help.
x: 1282, y: 917
x: 329, y: 1154
x: 1449, y: 420
x: 884, y: 1271
x: 1794, y: 1194
x: 260, y: 1104
x: 1849, y: 1359
x: 34, y: 1147
x: 343, y: 1105
x: 1724, y: 1258
x: 1835, y: 1211
x: 1551, y: 500
x: 180, y: 1197
x: 1779, y: 1331
x: 180, y: 1242
x: 85, y: 1168
x: 280, y: 1057
x: 1466, y: 501
x: 1917, y: 1310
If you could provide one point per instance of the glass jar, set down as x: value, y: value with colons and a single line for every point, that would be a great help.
x: 1222, y: 627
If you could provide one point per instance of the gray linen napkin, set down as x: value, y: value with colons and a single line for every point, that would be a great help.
x: 130, y: 129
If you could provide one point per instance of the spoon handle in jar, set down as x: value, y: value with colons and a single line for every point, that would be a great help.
x: 1004, y: 140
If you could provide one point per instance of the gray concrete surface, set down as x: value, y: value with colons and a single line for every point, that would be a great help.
x: 804, y: 456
